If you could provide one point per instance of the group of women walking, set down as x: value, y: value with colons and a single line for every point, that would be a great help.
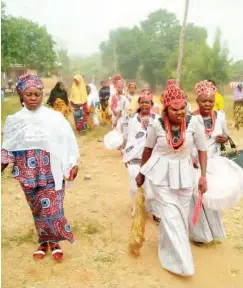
x: 174, y: 154
x: 82, y: 102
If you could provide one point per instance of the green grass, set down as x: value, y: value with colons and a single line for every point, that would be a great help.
x: 97, y: 134
x: 10, y: 105
x: 28, y: 237
x: 238, y: 248
x: 7, y: 172
x: 88, y: 227
x: 105, y: 256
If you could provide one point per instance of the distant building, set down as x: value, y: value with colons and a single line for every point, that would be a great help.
x: 49, y: 78
x: 235, y: 81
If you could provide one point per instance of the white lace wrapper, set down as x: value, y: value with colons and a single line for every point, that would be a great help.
x: 47, y: 130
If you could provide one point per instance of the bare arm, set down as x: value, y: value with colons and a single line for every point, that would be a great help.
x: 202, y: 155
x: 147, y: 152
x: 201, y: 145
x: 146, y: 155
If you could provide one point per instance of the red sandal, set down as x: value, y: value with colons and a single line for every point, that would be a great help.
x: 40, y: 253
x: 57, y: 252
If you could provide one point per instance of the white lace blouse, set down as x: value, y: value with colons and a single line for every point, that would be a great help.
x: 170, y: 168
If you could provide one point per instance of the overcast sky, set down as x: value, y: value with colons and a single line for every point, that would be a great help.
x: 80, y: 25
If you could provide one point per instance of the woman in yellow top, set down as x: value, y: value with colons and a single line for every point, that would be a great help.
x: 219, y: 99
x: 133, y: 98
x: 78, y: 101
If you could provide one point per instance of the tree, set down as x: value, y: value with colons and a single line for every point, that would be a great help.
x: 3, y: 13
x: 237, y: 69
x: 64, y: 59
x: 151, y: 52
x: 91, y: 67
x: 195, y: 42
x: 25, y: 42
x: 207, y: 63
x: 159, y: 37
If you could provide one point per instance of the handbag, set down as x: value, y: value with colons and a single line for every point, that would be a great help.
x: 234, y: 154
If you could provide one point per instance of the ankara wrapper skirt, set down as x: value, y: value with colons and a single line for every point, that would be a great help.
x: 46, y: 205
x: 238, y: 113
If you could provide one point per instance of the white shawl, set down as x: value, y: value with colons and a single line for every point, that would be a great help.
x: 47, y: 130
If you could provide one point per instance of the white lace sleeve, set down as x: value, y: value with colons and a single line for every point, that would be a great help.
x: 151, y: 135
x: 121, y: 104
x: 222, y: 119
x: 200, y: 140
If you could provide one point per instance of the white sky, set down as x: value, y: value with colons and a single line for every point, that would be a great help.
x: 80, y: 25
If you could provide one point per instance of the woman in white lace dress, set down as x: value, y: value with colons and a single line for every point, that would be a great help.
x: 167, y: 165
x: 135, y: 135
x: 116, y: 104
x: 225, y: 178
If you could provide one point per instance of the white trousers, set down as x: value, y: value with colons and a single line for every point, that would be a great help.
x: 174, y: 248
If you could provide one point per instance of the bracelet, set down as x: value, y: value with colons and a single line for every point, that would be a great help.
x: 204, y: 179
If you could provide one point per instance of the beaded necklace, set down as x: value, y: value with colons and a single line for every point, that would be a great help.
x: 144, y: 120
x: 176, y: 142
x: 208, y: 128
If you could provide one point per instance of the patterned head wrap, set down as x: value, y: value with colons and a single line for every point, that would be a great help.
x: 120, y: 84
x: 28, y: 80
x: 132, y: 84
x: 239, y: 86
x: 205, y: 88
x: 146, y: 95
x: 174, y: 97
x: 115, y: 78
x: 171, y: 82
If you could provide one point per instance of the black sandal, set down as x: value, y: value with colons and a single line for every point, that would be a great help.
x: 156, y: 219
x: 199, y: 244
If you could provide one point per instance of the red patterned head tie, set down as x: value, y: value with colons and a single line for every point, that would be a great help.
x: 174, y: 97
x: 115, y: 78
x: 120, y: 84
x: 28, y: 80
x: 171, y: 82
x: 146, y: 95
x: 205, y: 88
x: 132, y: 84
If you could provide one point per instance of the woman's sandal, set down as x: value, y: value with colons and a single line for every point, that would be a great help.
x: 57, y: 252
x: 156, y: 219
x: 198, y: 244
x: 40, y: 253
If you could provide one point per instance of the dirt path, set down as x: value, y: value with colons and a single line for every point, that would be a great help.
x: 100, y: 215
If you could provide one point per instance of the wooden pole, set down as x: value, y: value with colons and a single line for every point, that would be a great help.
x: 181, y: 43
x: 114, y: 56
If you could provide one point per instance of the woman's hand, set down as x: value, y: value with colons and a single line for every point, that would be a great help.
x: 195, y: 162
x: 73, y: 173
x: 221, y: 139
x: 202, y: 184
x: 140, y: 179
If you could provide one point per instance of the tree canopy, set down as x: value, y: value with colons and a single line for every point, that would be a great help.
x: 25, y: 42
x: 151, y: 50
